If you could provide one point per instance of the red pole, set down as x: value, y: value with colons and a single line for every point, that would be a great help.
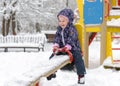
x: 116, y: 60
x: 116, y: 37
x: 118, y: 2
x: 115, y: 48
x: 92, y: 36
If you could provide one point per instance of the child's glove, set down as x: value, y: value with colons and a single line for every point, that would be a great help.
x: 66, y: 48
x: 55, y: 49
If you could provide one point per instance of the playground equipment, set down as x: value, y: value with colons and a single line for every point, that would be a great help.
x: 115, y: 3
x: 93, y: 23
x: 52, y: 69
x: 94, y: 15
x: 115, y: 6
x: 109, y: 49
x: 32, y: 69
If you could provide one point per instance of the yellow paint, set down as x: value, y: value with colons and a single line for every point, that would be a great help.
x: 80, y: 34
x: 109, y: 46
x: 79, y: 25
x: 80, y: 8
x: 93, y: 29
x: 114, y: 3
x: 113, y: 29
x: 113, y: 16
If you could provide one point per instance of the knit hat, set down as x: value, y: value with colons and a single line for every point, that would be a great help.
x: 67, y: 13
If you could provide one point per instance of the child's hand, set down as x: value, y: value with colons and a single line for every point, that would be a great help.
x: 55, y: 49
x: 65, y: 49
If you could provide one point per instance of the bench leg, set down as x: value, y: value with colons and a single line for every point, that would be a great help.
x: 6, y: 50
x: 38, y: 49
x: 24, y: 49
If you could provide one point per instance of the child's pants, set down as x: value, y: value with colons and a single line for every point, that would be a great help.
x: 79, y: 63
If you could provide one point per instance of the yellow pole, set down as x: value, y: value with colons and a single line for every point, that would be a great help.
x: 79, y: 25
x: 80, y: 28
x: 80, y: 8
x: 83, y: 35
x: 114, y: 3
x: 109, y: 46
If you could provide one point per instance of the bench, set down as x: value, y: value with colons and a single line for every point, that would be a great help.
x: 49, y: 35
x: 23, y: 41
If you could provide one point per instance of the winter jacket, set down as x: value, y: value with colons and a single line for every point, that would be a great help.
x: 70, y: 34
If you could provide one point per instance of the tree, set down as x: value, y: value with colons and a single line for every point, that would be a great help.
x: 29, y: 15
x: 8, y: 21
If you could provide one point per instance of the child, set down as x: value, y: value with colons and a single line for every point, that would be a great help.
x: 66, y: 37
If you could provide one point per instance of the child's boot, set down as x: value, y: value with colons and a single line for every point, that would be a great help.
x: 81, y: 79
x: 51, y: 76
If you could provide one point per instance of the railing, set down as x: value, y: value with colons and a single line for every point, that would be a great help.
x: 23, y: 41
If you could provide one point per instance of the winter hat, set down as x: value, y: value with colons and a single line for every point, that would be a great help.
x: 67, y: 13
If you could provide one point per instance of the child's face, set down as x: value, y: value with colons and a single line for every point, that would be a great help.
x: 62, y: 21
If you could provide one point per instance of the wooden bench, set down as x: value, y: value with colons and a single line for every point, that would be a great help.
x: 23, y: 41
x: 49, y: 35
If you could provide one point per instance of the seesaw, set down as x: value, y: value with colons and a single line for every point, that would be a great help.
x: 42, y: 69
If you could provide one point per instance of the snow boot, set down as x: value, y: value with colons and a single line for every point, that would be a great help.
x: 51, y: 76
x: 81, y: 79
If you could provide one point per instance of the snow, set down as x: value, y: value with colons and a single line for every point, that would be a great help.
x: 29, y: 67
x: 115, y: 12
x: 114, y: 22
x: 20, y: 68
x: 49, y: 31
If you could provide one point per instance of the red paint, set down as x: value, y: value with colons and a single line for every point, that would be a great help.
x: 115, y: 48
x: 116, y: 37
x: 92, y: 36
x: 118, y: 2
x: 116, y: 60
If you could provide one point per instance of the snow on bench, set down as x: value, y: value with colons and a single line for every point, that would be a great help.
x: 23, y: 41
x: 33, y: 67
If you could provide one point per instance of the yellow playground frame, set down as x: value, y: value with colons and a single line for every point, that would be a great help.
x: 105, y: 31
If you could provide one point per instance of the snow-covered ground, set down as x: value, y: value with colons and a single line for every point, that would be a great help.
x: 15, y: 64
x: 96, y: 74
